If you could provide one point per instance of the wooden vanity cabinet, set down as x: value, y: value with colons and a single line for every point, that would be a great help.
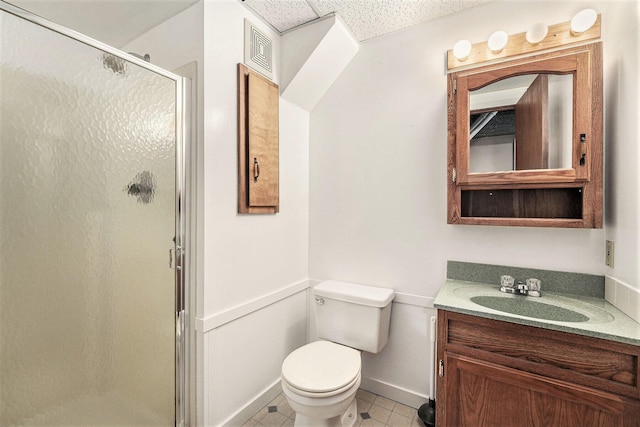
x: 494, y: 373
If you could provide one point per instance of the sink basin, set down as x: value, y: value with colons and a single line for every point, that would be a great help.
x: 549, y: 307
x: 529, y: 308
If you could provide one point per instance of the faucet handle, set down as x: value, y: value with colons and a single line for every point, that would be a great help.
x: 507, y: 281
x: 534, y: 284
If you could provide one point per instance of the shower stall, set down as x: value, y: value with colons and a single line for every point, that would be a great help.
x: 92, y: 289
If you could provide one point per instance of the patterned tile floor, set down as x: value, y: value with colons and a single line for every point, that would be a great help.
x: 373, y: 410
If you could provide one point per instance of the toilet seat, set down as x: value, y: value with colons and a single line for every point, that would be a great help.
x: 321, y: 369
x: 318, y: 396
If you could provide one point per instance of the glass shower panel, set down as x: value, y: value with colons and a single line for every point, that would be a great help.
x: 87, y: 217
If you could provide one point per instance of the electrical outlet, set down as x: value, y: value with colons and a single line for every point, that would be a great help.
x: 610, y: 250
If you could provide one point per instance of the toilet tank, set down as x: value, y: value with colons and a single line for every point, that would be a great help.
x: 357, y: 316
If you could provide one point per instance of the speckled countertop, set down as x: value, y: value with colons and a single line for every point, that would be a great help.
x: 604, y: 320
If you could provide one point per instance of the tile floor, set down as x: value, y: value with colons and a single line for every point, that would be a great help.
x: 373, y: 410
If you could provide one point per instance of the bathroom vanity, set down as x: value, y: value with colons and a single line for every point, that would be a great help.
x: 501, y: 369
x: 496, y: 373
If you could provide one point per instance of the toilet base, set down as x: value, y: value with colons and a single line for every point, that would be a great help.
x: 348, y: 419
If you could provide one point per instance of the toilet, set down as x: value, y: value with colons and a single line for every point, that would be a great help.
x: 320, y: 379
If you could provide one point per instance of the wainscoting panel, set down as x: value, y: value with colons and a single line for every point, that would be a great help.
x: 244, y: 349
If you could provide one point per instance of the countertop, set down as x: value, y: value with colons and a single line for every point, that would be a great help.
x: 606, y: 321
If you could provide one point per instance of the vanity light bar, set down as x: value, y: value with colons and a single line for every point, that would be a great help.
x: 558, y: 35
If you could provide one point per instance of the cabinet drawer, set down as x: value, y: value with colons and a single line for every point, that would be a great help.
x: 598, y: 363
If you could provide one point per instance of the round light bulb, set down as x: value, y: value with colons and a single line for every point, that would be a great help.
x: 462, y: 49
x: 583, y: 20
x: 537, y: 33
x: 497, y: 41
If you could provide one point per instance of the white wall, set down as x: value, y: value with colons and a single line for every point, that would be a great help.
x: 243, y: 358
x: 175, y: 42
x: 248, y: 259
x: 247, y: 255
x: 378, y: 169
x: 622, y: 131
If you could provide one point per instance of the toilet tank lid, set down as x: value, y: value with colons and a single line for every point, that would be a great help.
x: 358, y: 294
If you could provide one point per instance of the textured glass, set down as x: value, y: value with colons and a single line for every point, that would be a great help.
x: 87, y: 217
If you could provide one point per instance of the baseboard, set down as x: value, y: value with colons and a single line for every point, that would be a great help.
x: 393, y: 392
x: 252, y: 408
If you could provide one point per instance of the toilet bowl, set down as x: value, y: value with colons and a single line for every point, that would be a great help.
x: 320, y: 381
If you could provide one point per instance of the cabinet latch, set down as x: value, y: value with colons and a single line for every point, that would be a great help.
x: 583, y: 148
x: 441, y: 368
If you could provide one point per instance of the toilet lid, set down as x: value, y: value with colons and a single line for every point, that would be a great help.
x: 321, y: 366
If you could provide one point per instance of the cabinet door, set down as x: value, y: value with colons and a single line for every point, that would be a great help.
x: 263, y: 141
x: 479, y: 393
x: 258, y: 143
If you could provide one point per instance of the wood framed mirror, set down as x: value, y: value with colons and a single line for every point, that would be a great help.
x: 525, y: 141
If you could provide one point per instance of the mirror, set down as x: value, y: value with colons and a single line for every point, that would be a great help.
x: 521, y: 123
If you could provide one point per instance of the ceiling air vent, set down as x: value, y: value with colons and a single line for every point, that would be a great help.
x: 257, y: 50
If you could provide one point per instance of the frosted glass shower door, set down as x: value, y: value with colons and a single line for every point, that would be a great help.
x: 87, y: 219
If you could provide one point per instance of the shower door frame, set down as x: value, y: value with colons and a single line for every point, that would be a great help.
x: 182, y: 277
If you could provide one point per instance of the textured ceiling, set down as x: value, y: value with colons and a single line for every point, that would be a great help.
x: 115, y: 22
x: 365, y: 18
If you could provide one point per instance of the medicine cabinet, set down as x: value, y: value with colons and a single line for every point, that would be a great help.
x: 525, y: 141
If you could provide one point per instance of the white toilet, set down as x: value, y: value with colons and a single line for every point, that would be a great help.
x: 320, y: 379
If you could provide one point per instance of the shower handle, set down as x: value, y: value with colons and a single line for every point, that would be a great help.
x: 171, y: 263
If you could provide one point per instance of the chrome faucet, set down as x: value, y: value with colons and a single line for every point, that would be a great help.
x: 530, y: 288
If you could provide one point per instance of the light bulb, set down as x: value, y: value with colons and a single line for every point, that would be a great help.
x: 537, y: 33
x: 462, y: 49
x: 583, y: 20
x: 497, y: 41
